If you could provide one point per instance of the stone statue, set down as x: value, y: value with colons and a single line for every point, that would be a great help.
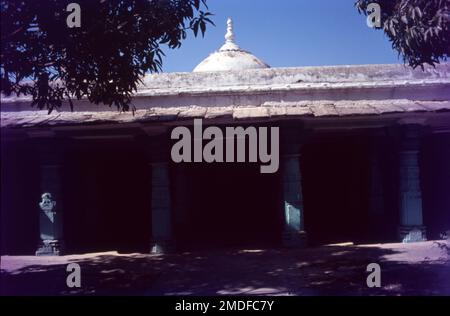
x: 50, y: 243
x: 47, y: 204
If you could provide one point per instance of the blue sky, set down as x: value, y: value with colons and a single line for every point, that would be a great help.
x: 288, y: 33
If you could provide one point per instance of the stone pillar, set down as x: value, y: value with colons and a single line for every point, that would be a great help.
x: 411, y: 220
x: 376, y: 197
x: 180, y: 200
x: 162, y: 229
x: 50, y: 209
x: 294, y: 235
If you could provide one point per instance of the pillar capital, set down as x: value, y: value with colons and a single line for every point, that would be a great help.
x: 157, y: 148
x: 293, y: 137
x: 296, y: 155
x: 411, y: 136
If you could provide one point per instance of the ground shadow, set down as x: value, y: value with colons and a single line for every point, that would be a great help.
x: 332, y: 270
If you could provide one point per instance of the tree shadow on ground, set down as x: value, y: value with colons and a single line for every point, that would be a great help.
x: 333, y: 270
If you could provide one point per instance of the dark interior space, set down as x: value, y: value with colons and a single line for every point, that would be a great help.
x: 435, y: 167
x: 107, y: 195
x: 230, y: 205
x: 19, y: 231
x: 384, y: 226
x: 336, y: 190
x: 107, y: 204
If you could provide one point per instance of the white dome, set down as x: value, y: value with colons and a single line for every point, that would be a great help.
x: 230, y: 60
x: 230, y: 57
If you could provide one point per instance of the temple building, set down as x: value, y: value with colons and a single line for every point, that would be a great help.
x: 364, y: 156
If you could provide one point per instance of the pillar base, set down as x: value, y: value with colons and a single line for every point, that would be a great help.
x: 162, y: 247
x: 410, y: 234
x: 445, y: 235
x: 293, y: 239
x: 50, y: 248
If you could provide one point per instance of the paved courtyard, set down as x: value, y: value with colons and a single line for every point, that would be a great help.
x: 406, y: 269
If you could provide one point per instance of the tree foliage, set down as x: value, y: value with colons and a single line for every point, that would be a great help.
x: 418, y: 29
x: 103, y: 60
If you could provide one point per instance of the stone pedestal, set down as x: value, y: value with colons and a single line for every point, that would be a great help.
x: 50, y: 248
x: 294, y: 235
x: 294, y: 239
x: 162, y: 226
x: 412, y: 233
x: 411, y: 219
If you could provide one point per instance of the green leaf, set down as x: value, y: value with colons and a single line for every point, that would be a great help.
x: 203, y: 27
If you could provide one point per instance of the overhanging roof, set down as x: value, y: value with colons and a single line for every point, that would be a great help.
x: 267, y: 110
x: 333, y: 91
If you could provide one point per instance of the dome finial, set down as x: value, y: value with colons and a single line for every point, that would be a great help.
x: 229, y: 37
x: 230, y: 57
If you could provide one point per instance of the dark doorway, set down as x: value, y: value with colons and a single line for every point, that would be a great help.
x: 336, y: 189
x: 435, y: 177
x: 230, y: 205
x: 19, y: 209
x: 107, y: 200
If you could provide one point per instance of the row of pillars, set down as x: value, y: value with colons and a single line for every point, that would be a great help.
x: 294, y: 236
